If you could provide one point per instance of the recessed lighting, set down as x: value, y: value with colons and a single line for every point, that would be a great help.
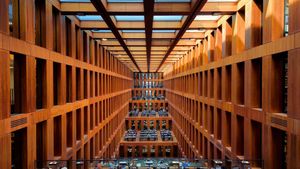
x: 104, y: 39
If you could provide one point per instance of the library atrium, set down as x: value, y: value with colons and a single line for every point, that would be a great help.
x: 90, y: 84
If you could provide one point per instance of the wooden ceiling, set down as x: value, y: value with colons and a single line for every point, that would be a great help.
x: 148, y: 35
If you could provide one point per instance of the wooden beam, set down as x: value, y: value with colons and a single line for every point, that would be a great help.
x: 106, y: 17
x: 197, y: 7
x: 148, y: 9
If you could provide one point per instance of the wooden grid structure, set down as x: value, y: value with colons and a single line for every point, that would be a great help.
x: 62, y: 94
x: 230, y: 71
x: 235, y: 95
x: 146, y: 46
x: 139, y: 148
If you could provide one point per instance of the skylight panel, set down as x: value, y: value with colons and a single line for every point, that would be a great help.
x: 89, y: 17
x: 164, y: 31
x: 101, y: 31
x: 222, y: 0
x: 125, y: 1
x: 167, y: 18
x: 133, y: 31
x: 129, y: 17
x: 195, y: 30
x: 75, y: 1
x: 172, y: 0
x: 207, y: 17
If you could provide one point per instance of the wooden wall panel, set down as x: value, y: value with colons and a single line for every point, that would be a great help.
x: 254, y: 79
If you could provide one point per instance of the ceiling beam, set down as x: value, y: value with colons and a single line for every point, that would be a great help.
x: 189, y: 20
x: 101, y: 9
x: 148, y: 17
x: 170, y: 8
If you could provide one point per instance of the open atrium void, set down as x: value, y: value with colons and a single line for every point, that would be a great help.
x: 90, y: 84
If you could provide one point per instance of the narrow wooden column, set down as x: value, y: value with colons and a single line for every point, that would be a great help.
x: 163, y: 150
x: 5, y: 153
x: 273, y: 20
x: 4, y: 27
x: 30, y: 89
x: 211, y: 44
x: 73, y: 44
x: 4, y: 85
x: 49, y: 25
x: 293, y: 84
x: 252, y: 24
x: 31, y: 140
x: 27, y: 21
x: 294, y: 12
x: 238, y: 31
x: 156, y: 151
x: 125, y: 151
x: 148, y: 151
x: 226, y: 39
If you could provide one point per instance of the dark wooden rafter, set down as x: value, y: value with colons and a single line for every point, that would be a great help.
x: 195, y: 10
x: 148, y: 13
x: 106, y: 17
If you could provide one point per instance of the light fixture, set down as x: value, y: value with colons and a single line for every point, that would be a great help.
x: 104, y: 39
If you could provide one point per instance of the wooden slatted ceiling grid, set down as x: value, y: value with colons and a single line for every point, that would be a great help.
x: 173, y: 27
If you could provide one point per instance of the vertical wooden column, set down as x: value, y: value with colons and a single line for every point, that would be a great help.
x: 125, y: 151
x: 27, y: 21
x: 273, y: 20
x: 62, y: 37
x: 129, y: 124
x: 64, y: 136
x: 30, y: 96
x: 293, y: 88
x: 148, y: 151
x: 211, y: 44
x: 4, y: 85
x: 163, y: 150
x: 204, y: 54
x: 226, y: 39
x: 79, y: 45
x: 294, y: 12
x: 172, y: 151
x: 73, y: 40
x: 252, y: 24
x: 293, y: 106
x: 5, y: 138
x: 49, y: 25
x: 218, y: 44
x: 238, y: 38
x: 4, y: 27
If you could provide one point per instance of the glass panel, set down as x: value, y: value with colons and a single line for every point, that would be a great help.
x: 168, y: 18
x: 207, y: 17
x: 222, y: 0
x: 124, y: 1
x: 128, y: 31
x: 172, y: 0
x: 129, y: 18
x: 164, y: 31
x: 195, y: 30
x: 89, y: 17
x: 75, y: 1
x: 102, y: 31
